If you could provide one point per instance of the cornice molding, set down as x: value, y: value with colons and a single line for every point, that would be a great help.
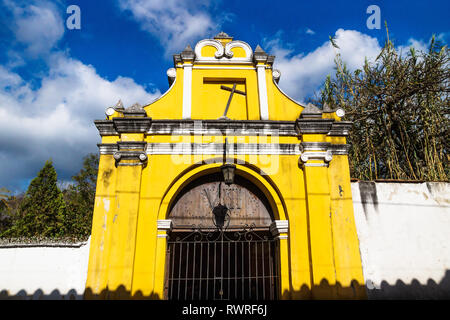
x: 218, y: 148
x: 312, y: 126
x: 279, y: 226
x: 316, y: 146
x: 107, y: 148
x: 341, y: 128
x: 106, y: 128
x: 135, y: 148
x: 132, y: 145
x: 339, y: 149
x: 219, y: 127
x: 132, y: 125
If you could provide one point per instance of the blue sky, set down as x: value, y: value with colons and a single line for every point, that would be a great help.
x: 55, y: 81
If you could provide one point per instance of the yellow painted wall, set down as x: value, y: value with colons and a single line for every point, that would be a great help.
x: 211, y: 98
x: 209, y: 101
x: 173, y: 97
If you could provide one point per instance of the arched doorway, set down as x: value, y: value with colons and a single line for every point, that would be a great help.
x: 220, y: 246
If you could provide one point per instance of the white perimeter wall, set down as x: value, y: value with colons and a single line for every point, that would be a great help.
x: 404, y: 237
x: 403, y: 231
x: 43, y: 272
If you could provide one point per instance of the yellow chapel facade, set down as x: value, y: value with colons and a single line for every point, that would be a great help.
x: 224, y: 188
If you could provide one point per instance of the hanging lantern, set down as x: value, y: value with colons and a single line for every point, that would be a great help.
x: 228, y: 171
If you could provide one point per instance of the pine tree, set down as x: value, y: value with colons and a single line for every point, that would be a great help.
x: 43, y: 208
x: 80, y: 199
x: 5, y: 217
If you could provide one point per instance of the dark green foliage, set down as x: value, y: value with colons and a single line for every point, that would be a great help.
x: 41, y: 212
x: 80, y: 199
x: 400, y: 109
x: 5, y: 215
x: 44, y: 212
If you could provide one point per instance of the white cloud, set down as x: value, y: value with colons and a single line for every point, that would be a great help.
x: 174, y: 23
x: 38, y: 26
x: 56, y: 120
x: 309, y: 31
x: 418, y: 45
x: 303, y: 74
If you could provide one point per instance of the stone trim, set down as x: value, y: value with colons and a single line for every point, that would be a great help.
x: 222, y: 68
x: 315, y: 164
x: 164, y: 225
x: 339, y: 149
x: 132, y: 145
x: 259, y: 55
x: 239, y: 44
x: 139, y: 156
x: 316, y: 155
x: 132, y: 125
x: 262, y: 92
x: 187, y: 91
x: 325, y: 156
x: 135, y: 110
x: 229, y: 127
x: 279, y: 226
x: 171, y: 76
x: 107, y: 148
x: 313, y: 126
x: 223, y: 53
x: 187, y: 54
x: 311, y: 112
x: 340, y: 128
x: 276, y: 75
x: 316, y: 146
x: 129, y: 155
x: 106, y: 128
x: 46, y: 243
x: 177, y: 59
x: 217, y: 148
x: 220, y: 127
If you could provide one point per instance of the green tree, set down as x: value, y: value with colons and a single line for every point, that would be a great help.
x: 4, y: 196
x: 80, y: 197
x: 5, y: 216
x: 42, y: 210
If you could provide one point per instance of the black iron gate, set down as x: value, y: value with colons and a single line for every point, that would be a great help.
x: 222, y: 265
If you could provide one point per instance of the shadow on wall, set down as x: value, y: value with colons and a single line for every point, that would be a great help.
x: 40, y: 295
x: 325, y: 291
x: 398, y: 291
x: 120, y: 294
x: 413, y: 290
x: 385, y: 291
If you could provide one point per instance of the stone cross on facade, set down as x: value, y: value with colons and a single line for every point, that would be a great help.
x: 233, y: 91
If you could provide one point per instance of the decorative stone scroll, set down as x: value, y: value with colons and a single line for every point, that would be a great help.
x: 223, y: 53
